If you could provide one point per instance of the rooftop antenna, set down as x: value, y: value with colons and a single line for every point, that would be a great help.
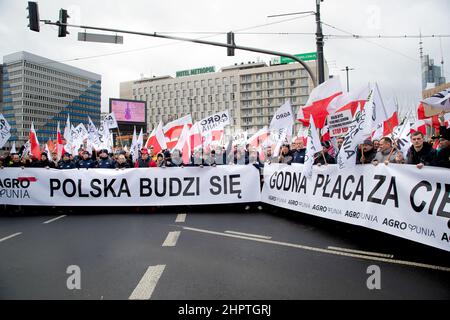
x: 442, y: 56
x: 420, y: 45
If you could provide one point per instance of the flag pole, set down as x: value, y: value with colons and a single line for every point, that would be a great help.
x: 120, y: 137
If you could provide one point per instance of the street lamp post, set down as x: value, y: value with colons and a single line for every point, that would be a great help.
x: 347, y: 69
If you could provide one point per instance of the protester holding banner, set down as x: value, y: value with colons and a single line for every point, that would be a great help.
x: 86, y: 161
x: 44, y: 162
x: 144, y: 161
x: 79, y: 156
x: 66, y: 162
x: 366, y: 152
x: 54, y: 159
x: 298, y: 152
x: 159, y: 159
x: 442, y: 158
x: 285, y: 154
x: 386, y: 152
x: 167, y: 162
x: 324, y: 157
x: 105, y: 162
x: 122, y: 162
x: 209, y: 158
x: 177, y: 158
x: 420, y: 153
x: 16, y: 162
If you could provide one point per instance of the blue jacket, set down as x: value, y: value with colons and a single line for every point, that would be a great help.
x: 107, y: 163
x: 298, y: 156
x: 86, y: 164
x: 66, y: 165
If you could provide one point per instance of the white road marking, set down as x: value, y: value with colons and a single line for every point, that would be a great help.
x: 11, y: 236
x: 322, y: 250
x: 54, y: 219
x: 367, y: 253
x: 146, y: 286
x: 171, y: 239
x: 249, y: 234
x: 181, y: 217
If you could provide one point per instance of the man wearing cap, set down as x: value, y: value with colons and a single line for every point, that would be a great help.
x: 442, y: 158
x: 86, y: 162
x: 66, y: 163
x: 105, y: 162
x: 144, y: 160
x: 366, y: 153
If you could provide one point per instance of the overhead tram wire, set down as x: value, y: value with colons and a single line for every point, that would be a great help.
x: 377, y: 44
x: 211, y: 34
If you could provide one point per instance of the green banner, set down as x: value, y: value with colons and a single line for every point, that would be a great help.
x: 192, y: 72
x: 302, y: 56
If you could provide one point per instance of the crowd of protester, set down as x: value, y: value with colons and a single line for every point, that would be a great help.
x: 421, y: 153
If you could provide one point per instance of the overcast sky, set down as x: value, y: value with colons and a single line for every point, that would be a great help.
x: 393, y: 63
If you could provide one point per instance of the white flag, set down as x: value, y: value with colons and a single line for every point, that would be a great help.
x: 67, y: 130
x: 13, y: 148
x: 240, y: 139
x: 104, y: 136
x: 93, y: 141
x: 110, y: 118
x: 134, y: 151
x: 312, y: 147
x: 354, y: 136
x: 440, y: 100
x: 281, y: 126
x: 140, y: 140
x: 5, y: 129
x: 216, y: 121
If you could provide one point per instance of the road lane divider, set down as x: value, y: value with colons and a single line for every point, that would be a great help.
x: 148, y: 282
x: 181, y: 217
x: 248, y: 234
x: 323, y: 250
x: 367, y: 253
x: 54, y: 219
x: 171, y: 239
x: 10, y: 236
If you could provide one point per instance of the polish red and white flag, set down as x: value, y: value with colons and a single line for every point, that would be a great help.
x: 318, y: 102
x: 157, y: 139
x: 173, y: 129
x: 35, y: 150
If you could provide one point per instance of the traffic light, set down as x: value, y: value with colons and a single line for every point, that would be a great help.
x: 62, y: 29
x: 230, y: 41
x: 33, y: 16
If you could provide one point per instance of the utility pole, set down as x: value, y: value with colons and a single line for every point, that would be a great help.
x: 319, y: 39
x: 346, y: 70
x: 319, y: 44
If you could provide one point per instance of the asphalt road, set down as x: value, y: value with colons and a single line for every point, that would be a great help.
x: 220, y: 252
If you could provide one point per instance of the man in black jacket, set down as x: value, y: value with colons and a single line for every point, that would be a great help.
x: 442, y: 158
x: 420, y: 153
x: 44, y: 162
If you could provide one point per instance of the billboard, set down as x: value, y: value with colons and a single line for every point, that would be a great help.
x: 129, y: 111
